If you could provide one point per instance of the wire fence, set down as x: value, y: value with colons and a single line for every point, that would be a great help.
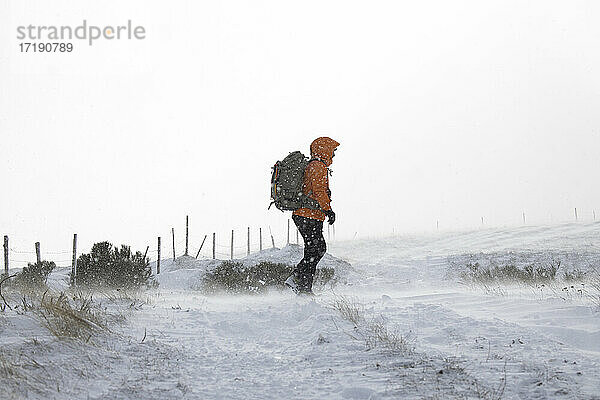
x: 237, y: 245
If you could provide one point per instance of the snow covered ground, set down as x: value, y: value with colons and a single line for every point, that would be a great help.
x: 421, y: 334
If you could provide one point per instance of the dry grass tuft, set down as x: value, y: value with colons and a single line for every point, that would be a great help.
x: 373, y: 332
x: 378, y: 334
x: 349, y: 308
x: 75, y: 316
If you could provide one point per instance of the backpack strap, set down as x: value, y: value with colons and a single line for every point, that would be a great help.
x: 318, y: 159
x: 328, y: 172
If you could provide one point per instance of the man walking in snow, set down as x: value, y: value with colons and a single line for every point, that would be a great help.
x: 310, y: 221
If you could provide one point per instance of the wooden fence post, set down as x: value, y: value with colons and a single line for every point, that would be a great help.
x: 232, y: 244
x: 260, y: 239
x: 524, y: 218
x: 38, y: 255
x: 173, y: 235
x: 296, y: 235
x: 575, y: 213
x: 214, y: 241
x: 248, y: 240
x: 437, y: 225
x: 333, y: 229
x: 158, y: 258
x: 594, y: 212
x: 187, y: 234
x: 6, y: 254
x: 328, y: 235
x: 272, y: 240
x: 288, y: 233
x: 198, y: 253
x: 74, y: 263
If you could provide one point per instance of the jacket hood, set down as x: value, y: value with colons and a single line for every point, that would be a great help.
x: 323, y: 148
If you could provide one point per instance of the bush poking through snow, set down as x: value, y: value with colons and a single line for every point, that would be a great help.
x: 545, y: 279
x: 576, y: 275
x: 511, y: 273
x: 35, y: 275
x: 108, y: 266
x: 235, y: 277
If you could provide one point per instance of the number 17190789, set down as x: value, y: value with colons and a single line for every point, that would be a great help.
x: 54, y: 47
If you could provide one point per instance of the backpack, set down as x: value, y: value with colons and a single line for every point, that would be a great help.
x: 286, y: 183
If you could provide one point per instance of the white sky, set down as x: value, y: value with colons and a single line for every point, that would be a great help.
x: 445, y: 110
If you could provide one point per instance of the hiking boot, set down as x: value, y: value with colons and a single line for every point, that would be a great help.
x: 293, y: 283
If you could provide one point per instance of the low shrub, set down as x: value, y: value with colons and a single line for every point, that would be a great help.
x: 109, y: 266
x: 511, y: 273
x: 35, y: 275
x: 575, y: 275
x: 235, y: 277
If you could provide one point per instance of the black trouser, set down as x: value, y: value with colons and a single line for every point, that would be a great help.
x: 314, y: 249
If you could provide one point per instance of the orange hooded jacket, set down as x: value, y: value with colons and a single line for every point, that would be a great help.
x: 316, y: 179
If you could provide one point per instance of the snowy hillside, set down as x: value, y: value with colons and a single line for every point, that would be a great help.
x: 401, y: 324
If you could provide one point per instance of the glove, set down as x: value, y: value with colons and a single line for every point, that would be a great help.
x: 330, y: 216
